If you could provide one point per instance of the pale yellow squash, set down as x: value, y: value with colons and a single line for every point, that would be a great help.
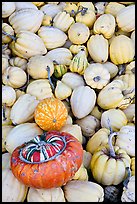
x: 62, y: 91
x: 8, y: 95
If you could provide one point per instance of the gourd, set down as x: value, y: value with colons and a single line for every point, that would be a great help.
x: 79, y: 63
x: 23, y: 109
x: 98, y: 48
x: 113, y: 8
x: 27, y: 44
x: 19, y: 93
x: 130, y: 80
x: 121, y: 50
x: 73, y: 80
x: 117, y: 119
x: 50, y: 114
x: 132, y: 166
x: 100, y: 8
x: 88, y: 5
x: 38, y: 3
x: 79, y: 95
x: 51, y: 9
x: 69, y: 120
x: 45, y: 195
x: 62, y: 91
x: 27, y: 19
x: 5, y: 63
x: 125, y: 18
x: 86, y: 159
x: 96, y: 76
x: 63, y: 21
x: 20, y: 134
x: 112, y: 68
x: 60, y: 55
x: 18, y: 62
x: 8, y: 95
x: 7, y: 9
x: 52, y: 37
x: 5, y: 131
x: 78, y: 33
x: 75, y: 49
x: 130, y: 68
x: 40, y: 88
x: 16, y: 194
x: 83, y: 191
x: 37, y: 168
x: 96, y: 112
x: 105, y: 25
x: 132, y: 36
x: 14, y: 77
x: 71, y: 8
x: 60, y: 70
x: 81, y: 174
x: 6, y: 111
x: 37, y: 67
x: 47, y: 20
x: 8, y: 29
x: 130, y: 112
x: 6, y: 160
x: 89, y: 125
x: 22, y: 5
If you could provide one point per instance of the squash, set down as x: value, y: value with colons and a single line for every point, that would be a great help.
x: 121, y: 50
x: 40, y: 88
x: 100, y: 8
x: 38, y: 159
x: 18, y: 62
x: 8, y: 29
x: 23, y: 109
x: 6, y: 160
x: 132, y: 166
x: 130, y: 112
x: 130, y: 68
x: 69, y: 120
x: 37, y: 67
x: 60, y: 70
x: 63, y: 21
x: 81, y: 174
x: 5, y: 131
x: 87, y: 159
x: 74, y: 130
x: 126, y: 139
x: 117, y: 119
x: 79, y: 62
x: 50, y: 114
x: 47, y: 20
x: 45, y: 195
x: 132, y: 36
x: 19, y: 93
x: 98, y: 48
x: 78, y: 33
x: 38, y: 3
x: 125, y: 18
x: 83, y: 191
x: 16, y: 194
x: 73, y: 80
x: 71, y: 8
x: 27, y: 44
x: 89, y: 125
x: 96, y: 112
x: 5, y: 63
x: 20, y: 134
x: 62, y: 91
x: 60, y: 55
x: 112, y: 68
x: 6, y: 111
x: 75, y: 49
x: 8, y: 95
x: 22, y: 5
x: 7, y: 9
x: 129, y: 79
x: 51, y: 9
x: 52, y: 37
x: 113, y: 8
x: 105, y: 25
x: 80, y: 106
x: 96, y: 76
x: 14, y: 77
x: 27, y: 19
x: 88, y: 5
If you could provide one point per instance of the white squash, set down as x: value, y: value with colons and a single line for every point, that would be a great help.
x: 62, y: 91
x: 81, y: 174
x: 22, y: 5
x: 18, y: 62
x: 6, y: 111
x: 5, y: 131
x: 6, y: 160
x: 51, y: 9
x: 5, y: 63
x: 8, y: 95
x: 7, y: 9
x: 87, y: 159
x: 9, y: 30
x: 112, y: 68
x: 130, y: 112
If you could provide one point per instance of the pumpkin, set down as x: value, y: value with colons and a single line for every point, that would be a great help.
x: 8, y: 29
x: 83, y: 191
x: 125, y: 18
x: 18, y: 62
x: 5, y: 131
x: 113, y: 162
x: 89, y: 125
x: 130, y: 112
x: 96, y: 112
x: 60, y: 55
x: 87, y: 159
x: 22, y: 5
x: 126, y: 139
x: 6, y: 160
x: 8, y: 95
x: 81, y: 174
x: 59, y: 70
x: 73, y: 80
x: 63, y: 21
x: 50, y: 114
x: 75, y: 49
x: 40, y: 88
x: 52, y: 37
x: 132, y: 166
x: 45, y: 195
x: 20, y: 134
x: 16, y: 194
x: 96, y: 76
x: 80, y: 106
x: 98, y: 48
x: 14, y: 77
x: 6, y: 111
x: 113, y: 8
x: 78, y: 33
x: 28, y: 19
x: 5, y: 63
x: 27, y: 44
x: 117, y: 119
x: 47, y: 20
x: 105, y: 25
x: 79, y: 62
x: 51, y: 9
x: 23, y: 109
x: 62, y: 91
x: 112, y: 68
x: 121, y: 50
x: 38, y: 159
x: 7, y: 9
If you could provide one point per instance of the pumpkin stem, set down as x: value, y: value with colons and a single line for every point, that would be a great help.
x: 125, y: 182
x: 4, y: 108
x: 122, y: 69
x: 52, y: 86
x: 7, y: 34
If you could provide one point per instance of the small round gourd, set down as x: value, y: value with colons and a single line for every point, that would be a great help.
x: 8, y: 95
x: 18, y: 62
x: 7, y: 9
x: 62, y: 91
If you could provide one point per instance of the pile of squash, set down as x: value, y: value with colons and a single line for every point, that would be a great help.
x: 68, y: 71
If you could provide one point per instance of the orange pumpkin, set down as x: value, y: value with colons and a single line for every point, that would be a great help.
x: 51, y: 114
x: 48, y: 161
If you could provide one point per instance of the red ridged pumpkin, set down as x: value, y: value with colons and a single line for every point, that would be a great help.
x: 49, y: 160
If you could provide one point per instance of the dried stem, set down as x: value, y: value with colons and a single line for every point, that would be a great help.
x: 7, y: 34
x: 48, y: 70
x: 4, y: 115
x: 125, y: 182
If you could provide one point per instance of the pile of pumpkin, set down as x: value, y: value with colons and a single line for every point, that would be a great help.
x: 68, y: 101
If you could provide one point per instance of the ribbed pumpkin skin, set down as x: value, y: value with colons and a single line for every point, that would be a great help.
x: 52, y: 173
x: 50, y: 114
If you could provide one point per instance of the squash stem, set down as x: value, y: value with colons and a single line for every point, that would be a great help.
x: 4, y: 115
x: 125, y: 182
x: 111, y: 148
x: 48, y: 70
x: 7, y: 34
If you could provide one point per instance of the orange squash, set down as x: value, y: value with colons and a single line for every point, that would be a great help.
x: 51, y: 114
